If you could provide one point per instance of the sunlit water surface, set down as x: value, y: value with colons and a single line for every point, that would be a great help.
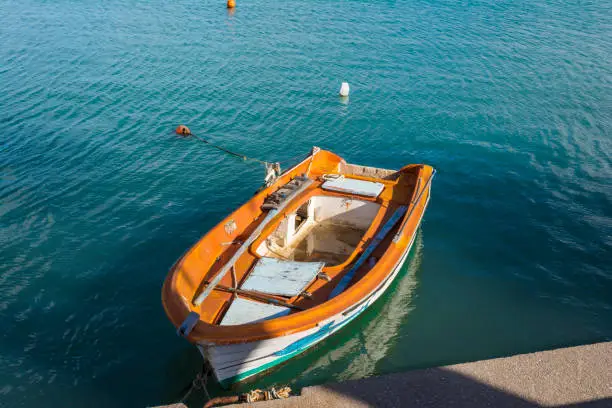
x: 510, y: 100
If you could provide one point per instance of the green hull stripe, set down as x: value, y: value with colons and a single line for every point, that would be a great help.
x: 237, y: 378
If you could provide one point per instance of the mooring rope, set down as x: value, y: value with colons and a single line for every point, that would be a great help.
x: 223, y: 149
x: 199, y: 382
x: 251, y: 396
x: 184, y: 131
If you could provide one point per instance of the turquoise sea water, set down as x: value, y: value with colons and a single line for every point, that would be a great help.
x: 510, y: 100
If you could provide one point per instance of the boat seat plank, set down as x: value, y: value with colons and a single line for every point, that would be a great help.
x: 281, y: 277
x: 243, y: 311
x: 354, y: 186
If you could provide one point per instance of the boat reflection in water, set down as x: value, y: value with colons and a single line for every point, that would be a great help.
x: 372, y: 337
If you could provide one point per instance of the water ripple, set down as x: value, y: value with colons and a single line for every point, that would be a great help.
x: 511, y: 101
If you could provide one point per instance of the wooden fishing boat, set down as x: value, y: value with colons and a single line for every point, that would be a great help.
x: 302, y: 258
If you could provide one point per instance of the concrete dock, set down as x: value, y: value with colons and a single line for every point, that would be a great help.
x: 567, y: 377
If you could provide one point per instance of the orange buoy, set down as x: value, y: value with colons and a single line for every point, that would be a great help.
x: 231, y: 4
x: 183, y: 130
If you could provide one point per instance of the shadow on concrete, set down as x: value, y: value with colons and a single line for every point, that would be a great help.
x: 436, y: 387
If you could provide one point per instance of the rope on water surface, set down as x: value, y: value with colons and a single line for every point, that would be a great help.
x: 184, y: 131
x: 223, y: 149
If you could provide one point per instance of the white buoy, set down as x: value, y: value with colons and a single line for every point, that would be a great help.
x: 344, y: 89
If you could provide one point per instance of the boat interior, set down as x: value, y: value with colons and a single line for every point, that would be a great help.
x: 323, y: 229
x: 311, y: 237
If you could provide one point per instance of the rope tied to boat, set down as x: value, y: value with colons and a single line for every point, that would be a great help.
x: 251, y: 396
x: 201, y: 381
x: 273, y: 169
x: 198, y: 383
x: 267, y: 395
